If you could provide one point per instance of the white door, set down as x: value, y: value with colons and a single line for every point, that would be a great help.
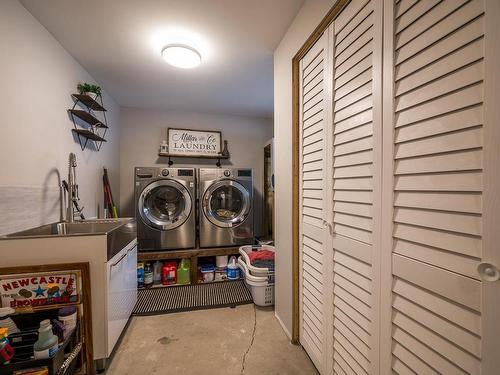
x: 442, y: 162
x: 315, y: 254
x: 357, y: 73
x: 339, y: 163
x: 399, y: 189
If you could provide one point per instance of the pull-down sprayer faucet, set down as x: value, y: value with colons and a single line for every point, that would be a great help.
x: 72, y: 188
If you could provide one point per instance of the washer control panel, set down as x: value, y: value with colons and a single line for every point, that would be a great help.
x: 165, y: 172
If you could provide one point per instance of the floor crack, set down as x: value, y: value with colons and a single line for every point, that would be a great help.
x: 251, y: 342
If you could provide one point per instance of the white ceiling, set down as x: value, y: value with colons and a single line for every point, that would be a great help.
x: 119, y: 43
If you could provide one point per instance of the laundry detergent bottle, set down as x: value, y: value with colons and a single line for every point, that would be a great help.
x: 233, y: 271
x: 184, y: 271
x: 47, y: 344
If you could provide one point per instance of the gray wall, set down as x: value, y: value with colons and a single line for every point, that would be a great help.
x: 143, y: 131
x: 306, y: 21
x: 38, y: 77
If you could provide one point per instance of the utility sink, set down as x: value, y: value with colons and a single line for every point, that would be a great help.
x: 109, y: 246
x: 119, y: 232
x: 76, y: 228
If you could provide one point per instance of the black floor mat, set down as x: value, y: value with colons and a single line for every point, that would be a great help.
x: 165, y: 300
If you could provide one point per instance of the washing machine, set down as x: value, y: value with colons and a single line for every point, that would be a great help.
x: 226, y: 206
x: 165, y: 207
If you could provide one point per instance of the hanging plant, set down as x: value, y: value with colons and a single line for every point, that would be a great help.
x: 89, y: 89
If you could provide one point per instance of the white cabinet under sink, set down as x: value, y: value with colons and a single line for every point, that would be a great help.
x: 112, y: 255
x: 121, y: 293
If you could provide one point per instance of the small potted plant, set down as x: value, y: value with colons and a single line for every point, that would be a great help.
x: 88, y: 89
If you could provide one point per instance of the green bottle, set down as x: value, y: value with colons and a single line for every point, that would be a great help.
x: 184, y: 271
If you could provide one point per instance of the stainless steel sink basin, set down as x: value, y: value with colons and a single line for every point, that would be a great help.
x: 119, y: 232
x: 75, y: 228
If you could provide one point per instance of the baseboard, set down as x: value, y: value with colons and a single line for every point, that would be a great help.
x: 287, y: 333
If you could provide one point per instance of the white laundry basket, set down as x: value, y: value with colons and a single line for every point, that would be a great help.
x: 256, y: 271
x: 261, y: 288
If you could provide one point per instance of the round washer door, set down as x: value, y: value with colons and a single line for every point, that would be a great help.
x: 226, y: 203
x: 165, y: 204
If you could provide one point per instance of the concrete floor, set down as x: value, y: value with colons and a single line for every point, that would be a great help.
x: 246, y: 340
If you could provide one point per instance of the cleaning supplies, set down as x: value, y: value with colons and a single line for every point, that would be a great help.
x: 233, y: 271
x: 148, y: 275
x: 221, y: 261
x: 6, y: 321
x: 184, y: 271
x: 140, y: 275
x: 207, y: 271
x: 169, y: 273
x: 6, y: 350
x: 220, y: 268
x: 157, y: 266
x: 47, y: 344
x: 68, y: 317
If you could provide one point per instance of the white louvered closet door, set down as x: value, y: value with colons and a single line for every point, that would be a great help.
x: 445, y: 175
x: 356, y: 41
x: 315, y: 256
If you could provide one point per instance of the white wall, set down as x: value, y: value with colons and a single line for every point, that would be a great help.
x: 310, y: 15
x: 143, y: 131
x: 38, y: 77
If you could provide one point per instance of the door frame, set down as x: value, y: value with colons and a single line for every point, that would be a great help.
x: 313, y: 38
x: 491, y: 178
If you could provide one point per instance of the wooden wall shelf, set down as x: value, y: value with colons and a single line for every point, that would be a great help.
x: 88, y: 118
x: 88, y: 134
x: 167, y: 155
x: 89, y: 102
x: 94, y: 129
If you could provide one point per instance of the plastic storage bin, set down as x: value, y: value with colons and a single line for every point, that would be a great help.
x: 208, y: 273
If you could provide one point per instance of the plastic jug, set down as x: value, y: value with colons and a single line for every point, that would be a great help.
x: 184, y: 271
x: 157, y: 272
x: 169, y: 273
x: 6, y: 321
x: 140, y: 275
x: 148, y: 275
x: 233, y: 271
x: 47, y: 344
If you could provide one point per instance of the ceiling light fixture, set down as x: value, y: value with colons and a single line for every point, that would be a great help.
x: 181, y: 56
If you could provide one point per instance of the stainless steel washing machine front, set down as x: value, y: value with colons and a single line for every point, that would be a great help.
x: 165, y: 208
x: 226, y: 206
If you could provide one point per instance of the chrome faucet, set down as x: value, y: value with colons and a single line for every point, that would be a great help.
x: 72, y: 189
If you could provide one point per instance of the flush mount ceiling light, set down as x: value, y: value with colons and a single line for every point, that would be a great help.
x: 181, y: 56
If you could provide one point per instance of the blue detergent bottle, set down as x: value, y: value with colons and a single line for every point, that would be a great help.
x: 233, y: 271
x: 140, y: 275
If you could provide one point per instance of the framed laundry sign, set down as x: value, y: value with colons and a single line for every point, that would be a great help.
x: 194, y: 143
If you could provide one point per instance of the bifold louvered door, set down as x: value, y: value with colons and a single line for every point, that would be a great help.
x: 315, y: 253
x: 346, y: 192
x: 444, y: 179
x: 356, y: 41
x: 400, y: 189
